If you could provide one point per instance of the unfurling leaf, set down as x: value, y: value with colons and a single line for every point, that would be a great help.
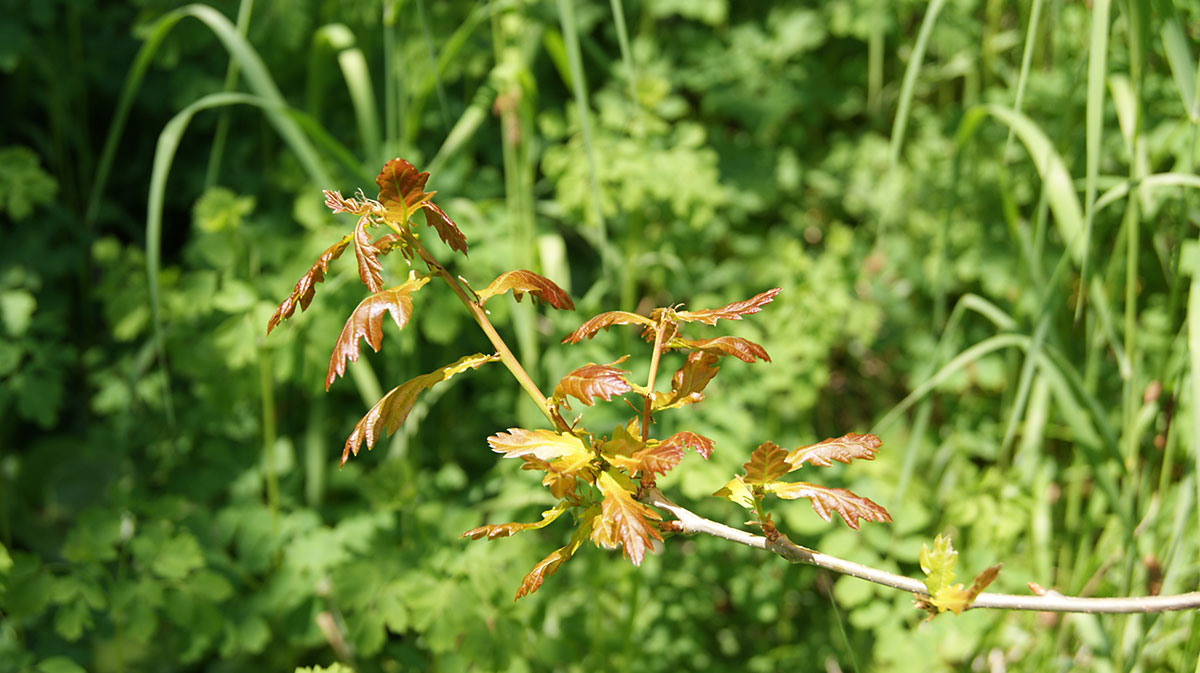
x: 733, y: 311
x: 494, y: 530
x: 938, y: 563
x: 825, y: 500
x: 547, y: 566
x: 689, y: 381
x: 842, y: 449
x: 767, y: 463
x: 657, y: 458
x: 370, y: 269
x: 605, y: 320
x: 546, y: 445
x: 367, y: 323
x: 522, y: 281
x: 742, y: 349
x: 690, y: 440
x: 624, y: 520
x: 735, y: 490
x: 591, y: 381
x: 445, y: 227
x: 982, y: 580
x: 305, y: 288
x: 401, y: 190
x: 391, y: 410
x: 335, y: 202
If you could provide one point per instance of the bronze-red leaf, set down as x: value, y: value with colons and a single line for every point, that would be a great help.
x: 445, y: 227
x: 742, y: 349
x: 849, y: 505
x: 689, y: 381
x: 521, y: 281
x: 842, y: 449
x: 767, y: 463
x: 305, y: 288
x: 366, y: 322
x: 401, y: 190
x: 605, y: 320
x: 733, y: 311
x: 625, y: 520
x: 591, y: 381
x: 691, y: 440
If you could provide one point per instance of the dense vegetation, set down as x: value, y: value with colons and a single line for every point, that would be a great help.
x: 980, y: 215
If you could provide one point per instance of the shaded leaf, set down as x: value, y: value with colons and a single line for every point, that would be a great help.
x: 521, y: 281
x: 305, y: 288
x: 393, y: 408
x: 591, y: 381
x: 735, y: 490
x: 625, y: 520
x: 842, y: 449
x: 733, y: 311
x: 742, y: 349
x: 402, y: 191
x: 767, y: 463
x: 493, y: 530
x: 547, y: 445
x: 691, y: 440
x: 445, y: 227
x: 561, y: 475
x: 688, y: 382
x: 851, y: 507
x: 366, y: 322
x: 604, y: 321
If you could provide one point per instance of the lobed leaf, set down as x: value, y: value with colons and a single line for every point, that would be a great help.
x: 689, y: 381
x: 657, y: 458
x: 338, y: 204
x: 546, y: 445
x: 560, y: 478
x: 591, y: 381
x: 445, y: 227
x: 521, y: 281
x: 735, y: 490
x: 393, y: 408
x: 624, y: 520
x: 604, y: 321
x: 842, y: 449
x: 370, y: 269
x: 549, y: 565
x: 851, y: 507
x: 691, y: 440
x: 366, y: 322
x: 953, y: 598
x: 496, y: 530
x: 767, y: 463
x: 305, y: 288
x: 733, y: 311
x: 742, y: 349
x: 402, y: 191
x: 938, y: 563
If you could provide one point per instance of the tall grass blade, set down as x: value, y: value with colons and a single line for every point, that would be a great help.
x: 338, y: 38
x: 1094, y: 124
x: 245, y: 9
x: 566, y: 16
x: 908, y: 85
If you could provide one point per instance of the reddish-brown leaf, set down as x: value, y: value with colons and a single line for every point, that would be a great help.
x: 393, y: 408
x: 496, y: 530
x: 690, y: 440
x: 522, y: 281
x: 545, y: 568
x: 850, y: 506
x: 767, y: 463
x: 603, y: 321
x: 742, y: 349
x: 335, y: 202
x: 842, y: 449
x: 367, y: 323
x: 402, y: 190
x: 305, y: 288
x: 658, y: 457
x: 370, y: 269
x: 733, y: 311
x: 689, y: 381
x: 625, y: 520
x: 445, y: 227
x: 591, y: 381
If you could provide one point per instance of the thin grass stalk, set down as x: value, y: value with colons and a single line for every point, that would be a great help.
x: 245, y: 9
x: 566, y: 16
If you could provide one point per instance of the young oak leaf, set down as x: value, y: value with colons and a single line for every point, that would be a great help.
x: 733, y: 311
x: 370, y: 269
x: 521, y: 281
x: 624, y: 520
x: 657, y: 458
x: 496, y: 530
x: 824, y: 500
x: 767, y: 463
x: 842, y: 449
x: 688, y: 383
x: 736, y: 491
x: 393, y: 408
x: 938, y: 563
x: 591, y: 381
x: 604, y: 321
x: 742, y: 349
x: 401, y: 190
x: 691, y: 440
x: 305, y: 288
x: 546, y: 445
x: 366, y: 322
x: 549, y: 565
x: 445, y: 227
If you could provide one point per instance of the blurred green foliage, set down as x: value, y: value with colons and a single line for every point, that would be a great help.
x: 169, y: 492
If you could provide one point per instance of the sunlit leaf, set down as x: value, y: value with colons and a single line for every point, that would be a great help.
x: 305, y: 288
x: 591, y: 381
x: 851, y: 507
x: 691, y: 440
x: 445, y: 227
x: 767, y: 463
x: 657, y: 458
x: 625, y: 520
x: 402, y: 191
x: 938, y: 563
x: 522, y: 281
x: 689, y: 381
x: 494, y: 530
x: 338, y: 204
x: 982, y: 580
x: 370, y: 269
x: 366, y: 322
x: 733, y: 311
x: 547, y: 445
x: 549, y: 565
x: 604, y: 321
x: 735, y: 490
x: 393, y: 408
x: 842, y: 449
x: 742, y: 349
x: 953, y: 598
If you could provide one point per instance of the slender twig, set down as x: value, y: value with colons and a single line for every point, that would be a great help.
x: 1050, y: 601
x: 649, y: 403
